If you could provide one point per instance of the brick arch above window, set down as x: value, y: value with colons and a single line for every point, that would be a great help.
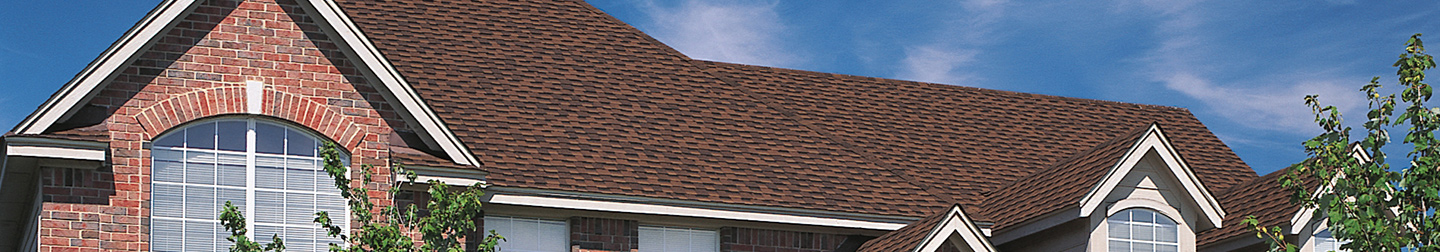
x: 311, y: 112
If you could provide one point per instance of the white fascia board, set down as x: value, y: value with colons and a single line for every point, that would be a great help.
x: 641, y: 208
x: 90, y: 80
x: 449, y: 176
x: 87, y: 83
x: 350, y: 35
x: 956, y: 222
x: 55, y: 148
x: 1155, y: 139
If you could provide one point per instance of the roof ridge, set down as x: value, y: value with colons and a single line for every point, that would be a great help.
x: 943, y: 85
x: 843, y: 142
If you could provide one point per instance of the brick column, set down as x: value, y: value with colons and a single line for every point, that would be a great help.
x: 596, y: 234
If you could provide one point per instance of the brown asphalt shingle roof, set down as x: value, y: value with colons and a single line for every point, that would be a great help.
x: 1263, y: 197
x: 557, y: 95
x: 1059, y: 186
x: 966, y: 142
x: 908, y: 237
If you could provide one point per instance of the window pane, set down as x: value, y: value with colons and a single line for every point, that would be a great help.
x: 200, y: 136
x: 1119, y: 246
x: 269, y: 138
x: 176, y: 139
x: 230, y: 135
x: 678, y: 239
x: 269, y: 207
x: 231, y: 169
x: 300, y: 144
x: 530, y: 235
x: 166, y: 165
x: 167, y: 235
x: 167, y: 200
x: 299, y: 208
x: 199, y: 168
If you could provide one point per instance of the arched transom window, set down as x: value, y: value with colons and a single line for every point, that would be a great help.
x: 1138, y: 230
x: 270, y: 171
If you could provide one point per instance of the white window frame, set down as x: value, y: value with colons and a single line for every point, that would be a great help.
x: 250, y: 188
x: 1156, y: 213
x: 565, y: 236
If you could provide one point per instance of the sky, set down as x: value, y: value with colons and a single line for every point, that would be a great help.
x: 1242, y: 67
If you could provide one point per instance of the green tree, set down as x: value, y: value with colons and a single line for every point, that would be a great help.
x: 450, y: 213
x: 1374, y: 207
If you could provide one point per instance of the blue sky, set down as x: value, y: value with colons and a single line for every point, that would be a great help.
x: 1240, y: 66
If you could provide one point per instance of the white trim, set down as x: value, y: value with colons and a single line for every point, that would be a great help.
x: 403, y: 92
x: 454, y: 177
x: 90, y: 80
x: 637, y: 208
x: 956, y: 222
x: 55, y: 152
x: 87, y: 83
x: 1154, y: 139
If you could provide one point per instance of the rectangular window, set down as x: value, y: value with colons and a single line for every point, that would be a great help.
x: 530, y: 235
x: 674, y: 239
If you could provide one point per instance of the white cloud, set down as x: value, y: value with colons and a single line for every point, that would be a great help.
x: 1272, y: 107
x: 949, y: 59
x: 931, y: 64
x: 738, y: 31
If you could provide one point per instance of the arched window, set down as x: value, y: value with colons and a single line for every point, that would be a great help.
x: 270, y: 171
x: 1138, y: 229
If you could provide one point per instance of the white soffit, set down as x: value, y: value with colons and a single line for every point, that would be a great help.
x: 955, y: 222
x: 141, y: 37
x: 1156, y: 140
x: 639, y: 208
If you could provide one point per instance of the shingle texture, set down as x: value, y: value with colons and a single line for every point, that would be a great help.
x: 557, y: 95
x: 966, y: 142
x: 1059, y: 186
x: 1263, y: 197
x: 908, y: 237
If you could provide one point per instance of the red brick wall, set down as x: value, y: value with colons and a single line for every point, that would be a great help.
x: 749, y: 239
x: 597, y: 234
x: 198, y: 70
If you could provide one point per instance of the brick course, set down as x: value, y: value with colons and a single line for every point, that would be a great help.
x: 198, y: 70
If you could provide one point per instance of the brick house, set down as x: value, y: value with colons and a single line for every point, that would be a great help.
x: 593, y: 136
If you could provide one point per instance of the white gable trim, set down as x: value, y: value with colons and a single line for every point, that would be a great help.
x: 1154, y: 139
x: 955, y: 222
x: 139, y: 38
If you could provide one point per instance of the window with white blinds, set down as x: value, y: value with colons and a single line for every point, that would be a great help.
x: 1325, y: 241
x: 673, y: 239
x: 271, y: 172
x: 1142, y: 230
x: 530, y: 235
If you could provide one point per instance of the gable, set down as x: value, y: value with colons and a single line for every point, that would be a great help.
x: 165, y: 46
x: 1153, y: 162
x: 948, y: 230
